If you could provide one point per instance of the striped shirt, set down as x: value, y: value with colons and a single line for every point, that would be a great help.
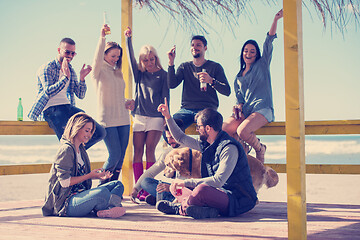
x: 49, y: 85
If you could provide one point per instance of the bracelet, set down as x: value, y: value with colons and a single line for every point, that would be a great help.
x: 213, y: 83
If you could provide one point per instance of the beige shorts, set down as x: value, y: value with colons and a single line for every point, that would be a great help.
x: 145, y: 124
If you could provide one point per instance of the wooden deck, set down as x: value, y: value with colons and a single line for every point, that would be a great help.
x: 268, y: 220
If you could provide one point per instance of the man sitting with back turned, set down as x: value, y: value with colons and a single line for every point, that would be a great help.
x: 226, y: 186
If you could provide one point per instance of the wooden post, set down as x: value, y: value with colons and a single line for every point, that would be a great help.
x: 126, y: 20
x: 295, y: 127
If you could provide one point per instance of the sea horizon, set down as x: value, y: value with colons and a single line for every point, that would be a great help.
x: 324, y: 149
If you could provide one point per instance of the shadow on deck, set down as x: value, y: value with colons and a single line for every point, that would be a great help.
x: 268, y: 220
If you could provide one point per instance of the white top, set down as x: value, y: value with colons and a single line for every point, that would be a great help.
x: 110, y: 89
x: 60, y: 98
x: 66, y: 182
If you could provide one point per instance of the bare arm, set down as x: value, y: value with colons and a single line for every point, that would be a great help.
x: 94, y: 174
x: 273, y: 27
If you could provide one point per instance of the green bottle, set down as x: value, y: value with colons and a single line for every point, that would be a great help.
x: 20, y: 111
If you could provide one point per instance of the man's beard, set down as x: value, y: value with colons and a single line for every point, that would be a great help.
x: 204, y: 137
x: 197, y: 55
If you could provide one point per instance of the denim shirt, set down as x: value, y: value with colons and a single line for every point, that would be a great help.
x: 254, y: 89
x: 49, y: 85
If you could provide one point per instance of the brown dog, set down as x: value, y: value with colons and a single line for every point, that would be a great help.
x: 261, y: 174
x: 177, y: 162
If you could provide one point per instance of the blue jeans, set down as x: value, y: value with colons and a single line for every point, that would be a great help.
x: 116, y: 140
x: 97, y: 199
x: 150, y: 184
x: 58, y: 116
x: 187, y: 116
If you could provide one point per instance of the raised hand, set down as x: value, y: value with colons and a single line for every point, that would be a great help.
x: 279, y: 14
x: 164, y: 109
x: 104, y: 28
x: 171, y: 55
x: 65, y: 68
x: 128, y: 32
x: 273, y: 27
x: 84, y: 72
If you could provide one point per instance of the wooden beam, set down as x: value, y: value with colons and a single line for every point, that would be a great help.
x: 25, y: 128
x: 295, y: 126
x: 275, y: 128
x: 334, y: 127
x: 126, y: 21
x: 279, y: 168
x: 34, y: 168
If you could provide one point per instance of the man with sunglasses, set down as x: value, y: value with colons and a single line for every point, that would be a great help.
x: 57, y: 86
x: 226, y: 186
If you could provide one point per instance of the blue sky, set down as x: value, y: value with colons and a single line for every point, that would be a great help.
x: 31, y: 31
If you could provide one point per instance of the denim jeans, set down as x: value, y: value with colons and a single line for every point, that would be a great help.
x: 58, y: 116
x: 116, y: 140
x: 150, y: 184
x: 97, y: 199
x: 187, y: 116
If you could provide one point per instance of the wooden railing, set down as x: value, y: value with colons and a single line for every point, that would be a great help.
x: 275, y: 128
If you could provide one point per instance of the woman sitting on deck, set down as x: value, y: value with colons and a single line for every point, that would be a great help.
x: 69, y: 188
x: 252, y: 85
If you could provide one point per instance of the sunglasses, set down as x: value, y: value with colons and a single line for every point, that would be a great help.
x: 68, y: 53
x: 198, y: 126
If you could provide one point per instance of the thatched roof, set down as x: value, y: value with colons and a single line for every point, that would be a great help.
x: 191, y: 13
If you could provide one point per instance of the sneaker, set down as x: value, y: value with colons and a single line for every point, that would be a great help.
x: 143, y: 196
x: 150, y: 199
x: 168, y: 207
x: 115, y: 201
x: 114, y: 212
x: 140, y: 193
x: 198, y: 212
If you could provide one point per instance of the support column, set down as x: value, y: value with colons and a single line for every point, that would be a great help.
x: 295, y: 127
x: 126, y: 20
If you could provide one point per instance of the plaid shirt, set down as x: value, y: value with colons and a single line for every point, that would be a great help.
x: 49, y: 85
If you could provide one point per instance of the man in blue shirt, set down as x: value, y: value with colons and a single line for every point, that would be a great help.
x: 57, y: 85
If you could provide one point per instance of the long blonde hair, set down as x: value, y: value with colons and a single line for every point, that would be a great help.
x: 75, y: 123
x: 145, y: 51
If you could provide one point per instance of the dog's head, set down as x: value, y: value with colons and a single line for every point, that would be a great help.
x: 177, y: 161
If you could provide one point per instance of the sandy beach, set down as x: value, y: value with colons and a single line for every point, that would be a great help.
x: 320, y: 188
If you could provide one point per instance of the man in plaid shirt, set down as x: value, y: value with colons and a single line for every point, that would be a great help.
x: 57, y: 85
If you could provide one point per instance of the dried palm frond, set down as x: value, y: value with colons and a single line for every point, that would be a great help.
x: 192, y: 13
